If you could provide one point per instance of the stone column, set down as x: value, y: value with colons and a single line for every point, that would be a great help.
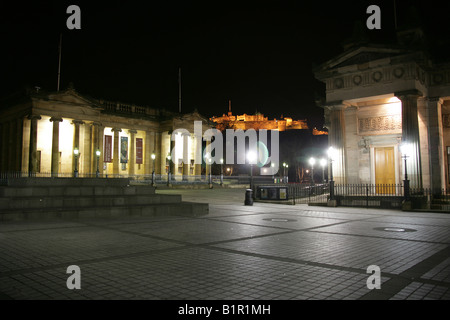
x: 132, y: 159
x: 19, y: 144
x: 159, y: 156
x: 336, y: 139
x: 94, y: 145
x: 186, y: 153
x: 116, y: 151
x: 149, y: 148
x: 76, y: 141
x: 55, y: 146
x: 435, y: 145
x: 410, y: 135
x: 101, y: 136
x: 32, y: 162
x: 173, y: 163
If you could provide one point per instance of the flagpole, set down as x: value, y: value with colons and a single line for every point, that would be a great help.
x: 395, y: 15
x: 179, y: 89
x: 59, y: 61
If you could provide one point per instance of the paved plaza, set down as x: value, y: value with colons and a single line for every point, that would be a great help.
x: 259, y: 252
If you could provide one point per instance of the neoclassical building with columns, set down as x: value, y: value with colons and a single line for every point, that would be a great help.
x: 380, y: 97
x: 62, y: 133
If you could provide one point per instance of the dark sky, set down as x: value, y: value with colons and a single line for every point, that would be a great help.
x: 259, y: 54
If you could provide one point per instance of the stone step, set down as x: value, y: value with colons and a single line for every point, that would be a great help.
x: 84, y: 201
x: 170, y: 209
x: 60, y: 182
x: 58, y: 191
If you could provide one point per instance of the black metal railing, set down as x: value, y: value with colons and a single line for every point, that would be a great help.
x: 369, y: 195
x: 159, y: 179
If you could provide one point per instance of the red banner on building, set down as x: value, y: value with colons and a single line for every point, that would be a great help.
x: 138, y: 150
x: 108, y: 149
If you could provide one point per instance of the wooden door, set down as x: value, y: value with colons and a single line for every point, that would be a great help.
x: 385, y: 170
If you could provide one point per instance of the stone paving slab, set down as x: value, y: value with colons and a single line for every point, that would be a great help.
x: 439, y: 273
x: 284, y: 221
x: 236, y: 252
x: 392, y: 256
x: 428, y: 233
x: 164, y: 276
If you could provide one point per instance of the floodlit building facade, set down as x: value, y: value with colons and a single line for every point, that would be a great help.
x: 379, y: 98
x: 60, y: 133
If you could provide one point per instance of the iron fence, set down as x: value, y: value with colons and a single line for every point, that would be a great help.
x: 430, y: 199
x: 158, y: 179
x: 388, y: 196
x: 369, y: 195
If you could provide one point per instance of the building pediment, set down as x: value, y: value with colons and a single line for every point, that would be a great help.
x: 71, y: 97
x: 359, y: 56
x: 187, y: 121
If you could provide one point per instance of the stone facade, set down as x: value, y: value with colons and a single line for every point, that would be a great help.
x: 378, y: 97
x: 40, y: 131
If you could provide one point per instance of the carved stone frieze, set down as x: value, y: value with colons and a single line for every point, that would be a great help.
x: 380, y: 125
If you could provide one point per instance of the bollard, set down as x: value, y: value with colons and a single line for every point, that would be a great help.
x: 249, y: 197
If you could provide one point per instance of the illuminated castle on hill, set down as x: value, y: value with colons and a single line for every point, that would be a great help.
x: 258, y: 122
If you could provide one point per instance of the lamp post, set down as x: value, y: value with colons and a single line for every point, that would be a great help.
x: 285, y: 165
x: 76, y: 152
x: 312, y: 161
x: 221, y: 171
x: 210, y: 172
x: 331, y: 154
x: 251, y: 156
x: 405, y: 149
x: 208, y: 161
x: 168, y: 170
x: 272, y: 166
x: 97, y: 153
x: 153, y: 156
x: 323, y: 163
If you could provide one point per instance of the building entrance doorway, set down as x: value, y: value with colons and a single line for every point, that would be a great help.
x: 385, y: 170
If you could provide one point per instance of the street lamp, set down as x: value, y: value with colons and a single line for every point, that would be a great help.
x: 168, y: 171
x: 285, y: 166
x: 272, y: 165
x: 210, y: 172
x: 323, y: 163
x: 97, y: 153
x: 405, y: 149
x: 153, y: 156
x: 251, y: 156
x: 331, y: 156
x: 312, y: 161
x: 208, y: 161
x: 76, y: 152
x: 221, y: 171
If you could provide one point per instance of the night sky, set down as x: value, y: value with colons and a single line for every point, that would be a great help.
x: 258, y: 54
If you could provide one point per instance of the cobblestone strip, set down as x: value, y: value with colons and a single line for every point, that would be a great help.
x: 412, y: 277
